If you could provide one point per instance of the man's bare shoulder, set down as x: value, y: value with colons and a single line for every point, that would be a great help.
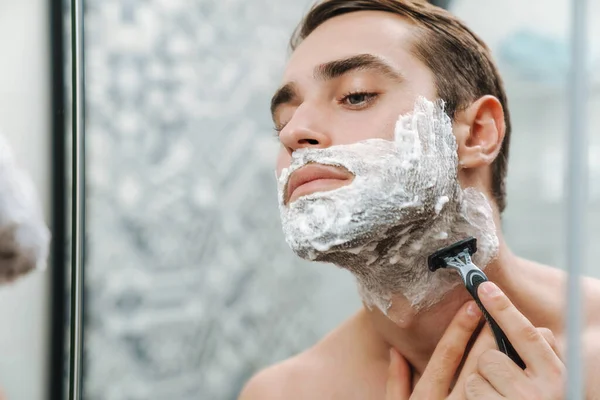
x: 323, y: 371
x: 294, y: 378
x: 554, y: 280
x: 591, y: 337
x: 591, y: 303
x: 591, y: 351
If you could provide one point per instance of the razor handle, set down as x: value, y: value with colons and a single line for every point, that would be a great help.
x: 473, y: 279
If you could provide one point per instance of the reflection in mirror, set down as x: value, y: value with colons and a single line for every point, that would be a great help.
x: 25, y: 199
x: 191, y: 289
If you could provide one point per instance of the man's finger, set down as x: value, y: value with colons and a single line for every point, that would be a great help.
x: 551, y: 339
x: 399, y: 378
x: 441, y: 369
x: 525, y: 338
x: 485, y: 341
x: 477, y: 388
x: 506, y: 377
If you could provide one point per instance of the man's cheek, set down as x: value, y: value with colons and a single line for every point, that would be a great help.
x: 283, y: 161
x: 383, y: 126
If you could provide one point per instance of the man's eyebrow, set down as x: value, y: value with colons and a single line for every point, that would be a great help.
x: 285, y: 94
x: 335, y: 69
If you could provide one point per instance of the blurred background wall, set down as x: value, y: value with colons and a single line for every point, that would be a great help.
x: 25, y: 123
x: 190, y: 287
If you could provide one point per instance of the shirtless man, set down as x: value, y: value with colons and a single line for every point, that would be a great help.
x: 357, y: 65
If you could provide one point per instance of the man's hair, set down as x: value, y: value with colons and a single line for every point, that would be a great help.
x: 460, y: 61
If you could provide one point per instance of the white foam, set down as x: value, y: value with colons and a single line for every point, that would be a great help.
x: 442, y: 200
x: 404, y: 203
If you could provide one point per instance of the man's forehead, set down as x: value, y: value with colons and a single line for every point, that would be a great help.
x: 381, y: 34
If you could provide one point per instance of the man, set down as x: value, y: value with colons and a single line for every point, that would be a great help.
x: 356, y: 65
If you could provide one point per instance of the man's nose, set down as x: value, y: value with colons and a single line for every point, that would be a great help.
x: 305, y: 129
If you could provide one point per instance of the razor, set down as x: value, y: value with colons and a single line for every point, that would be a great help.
x: 458, y: 257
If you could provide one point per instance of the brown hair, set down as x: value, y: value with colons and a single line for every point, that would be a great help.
x: 461, y: 62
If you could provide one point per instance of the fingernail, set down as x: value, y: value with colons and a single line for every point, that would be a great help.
x: 473, y: 310
x: 489, y: 289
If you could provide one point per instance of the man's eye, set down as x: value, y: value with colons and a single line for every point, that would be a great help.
x: 358, y: 98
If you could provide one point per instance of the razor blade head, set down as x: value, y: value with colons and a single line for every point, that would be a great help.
x: 437, y: 259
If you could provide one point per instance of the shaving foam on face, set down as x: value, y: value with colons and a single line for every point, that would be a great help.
x: 404, y: 203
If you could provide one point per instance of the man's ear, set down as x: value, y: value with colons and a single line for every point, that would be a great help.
x: 479, y: 131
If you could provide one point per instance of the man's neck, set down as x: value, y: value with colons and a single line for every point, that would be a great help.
x: 415, y: 335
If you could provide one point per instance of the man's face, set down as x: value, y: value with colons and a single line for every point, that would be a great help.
x: 397, y: 200
x: 348, y: 81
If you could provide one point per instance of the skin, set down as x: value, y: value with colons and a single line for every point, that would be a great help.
x: 421, y: 355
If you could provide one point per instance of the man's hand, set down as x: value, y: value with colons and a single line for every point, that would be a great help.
x: 497, y: 376
x: 486, y: 373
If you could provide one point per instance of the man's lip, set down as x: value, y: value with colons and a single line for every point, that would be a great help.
x: 330, y: 176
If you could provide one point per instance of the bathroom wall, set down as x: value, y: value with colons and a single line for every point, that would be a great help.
x: 25, y: 123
